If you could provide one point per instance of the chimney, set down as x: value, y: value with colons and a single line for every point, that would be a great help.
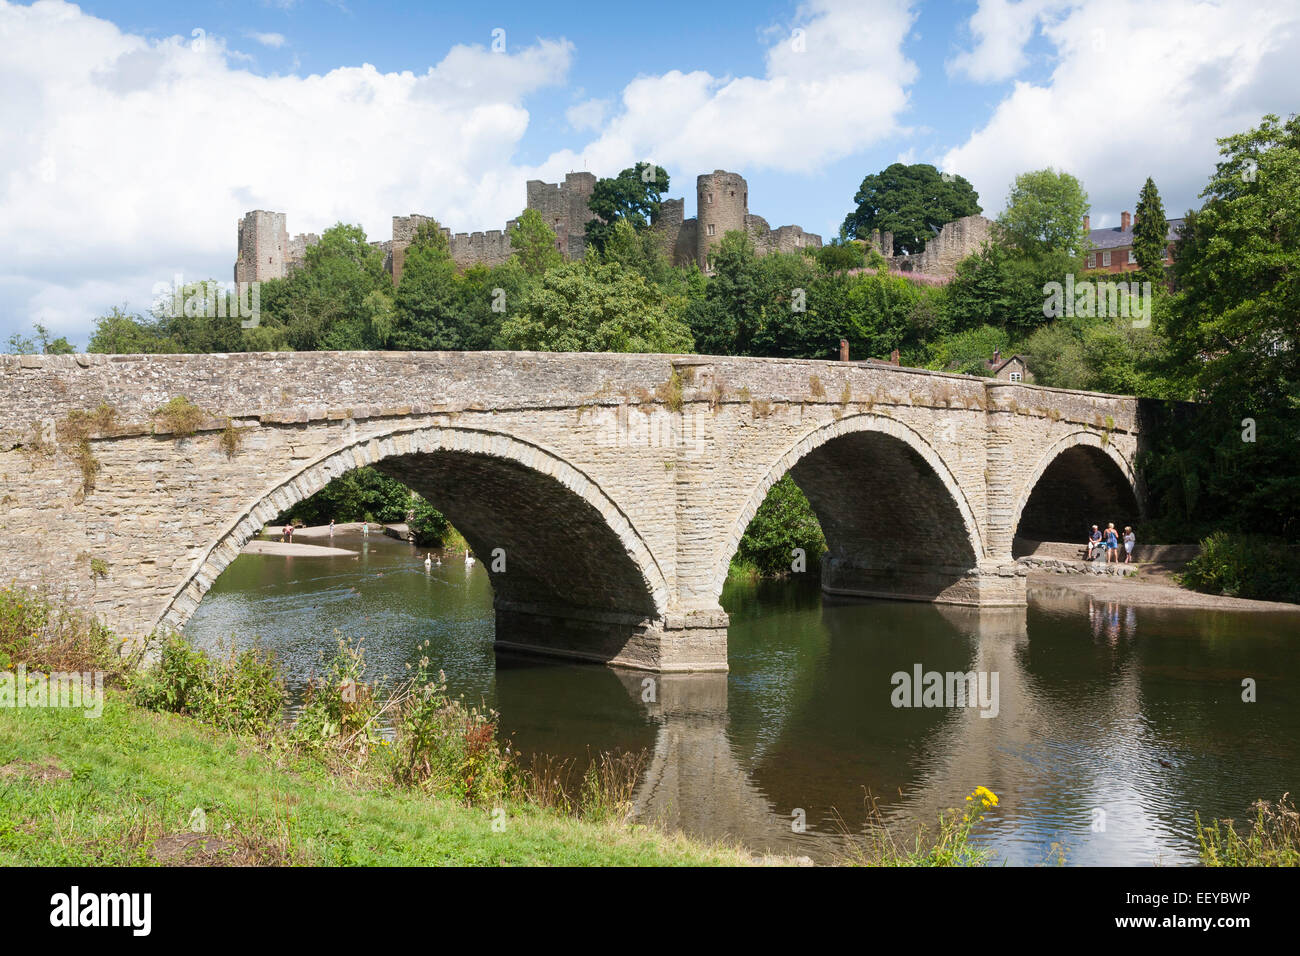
x: 997, y: 356
x: 1125, y: 220
x: 1087, y: 223
x: 893, y: 357
x: 844, y: 350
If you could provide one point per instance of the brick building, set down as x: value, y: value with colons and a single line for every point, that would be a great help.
x: 1111, y: 250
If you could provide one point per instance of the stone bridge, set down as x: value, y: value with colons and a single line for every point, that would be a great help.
x: 617, y: 487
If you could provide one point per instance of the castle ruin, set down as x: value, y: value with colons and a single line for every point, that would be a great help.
x: 938, y: 260
x: 265, y: 250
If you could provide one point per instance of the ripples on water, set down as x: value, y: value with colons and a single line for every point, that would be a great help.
x: 1093, y: 695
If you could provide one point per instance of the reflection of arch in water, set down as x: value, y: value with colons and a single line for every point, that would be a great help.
x: 571, y: 555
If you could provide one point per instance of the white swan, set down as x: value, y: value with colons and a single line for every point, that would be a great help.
x: 428, y: 562
x: 469, y: 559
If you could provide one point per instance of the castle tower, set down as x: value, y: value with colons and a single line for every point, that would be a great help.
x: 723, y: 203
x: 263, y: 245
x: 563, y: 207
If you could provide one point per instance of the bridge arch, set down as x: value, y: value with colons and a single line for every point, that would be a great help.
x: 852, y: 471
x: 1081, y: 480
x: 570, y: 550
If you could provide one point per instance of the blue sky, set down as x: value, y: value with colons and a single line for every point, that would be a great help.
x: 138, y: 133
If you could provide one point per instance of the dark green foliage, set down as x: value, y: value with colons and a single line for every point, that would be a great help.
x: 240, y: 692
x: 362, y: 494
x: 594, y: 307
x: 1003, y: 286
x: 912, y: 202
x: 429, y: 525
x: 634, y: 195
x: 1149, y: 231
x: 327, y: 304
x: 533, y: 244
x: 1247, y: 566
x: 1232, y: 328
x: 427, y: 307
x: 784, y: 521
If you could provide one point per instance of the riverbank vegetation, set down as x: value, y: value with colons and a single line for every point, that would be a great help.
x: 951, y: 843
x: 1273, y: 838
x: 136, y: 787
x: 363, y: 494
x: 44, y: 635
x: 193, y: 761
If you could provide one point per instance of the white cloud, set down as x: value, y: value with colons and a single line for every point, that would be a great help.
x: 1139, y: 88
x: 834, y: 83
x: 125, y: 160
x: 1001, y: 29
x: 273, y: 40
x: 587, y: 115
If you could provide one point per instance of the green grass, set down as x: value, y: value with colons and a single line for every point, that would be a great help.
x: 118, y: 789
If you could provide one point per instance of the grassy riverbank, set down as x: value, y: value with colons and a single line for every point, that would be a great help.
x: 122, y: 790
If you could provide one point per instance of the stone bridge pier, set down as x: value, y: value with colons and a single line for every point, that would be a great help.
x: 604, y: 494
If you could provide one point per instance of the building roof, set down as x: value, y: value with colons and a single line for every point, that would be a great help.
x: 1005, y: 362
x: 1117, y: 238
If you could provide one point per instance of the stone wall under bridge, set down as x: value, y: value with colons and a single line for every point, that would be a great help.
x: 617, y: 485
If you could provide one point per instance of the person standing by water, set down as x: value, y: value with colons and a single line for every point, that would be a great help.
x: 1112, y: 543
x: 288, y: 532
x: 331, y: 527
x: 1130, y: 539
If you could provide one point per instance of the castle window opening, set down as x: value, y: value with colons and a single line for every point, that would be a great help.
x: 710, y: 199
x: 710, y: 229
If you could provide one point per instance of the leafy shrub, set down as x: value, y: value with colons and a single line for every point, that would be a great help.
x: 340, y: 708
x: 240, y: 692
x: 46, y: 636
x: 429, y: 525
x: 784, y: 521
x: 445, y: 745
x: 1247, y: 566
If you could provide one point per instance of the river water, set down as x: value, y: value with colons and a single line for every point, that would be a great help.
x: 1113, y: 723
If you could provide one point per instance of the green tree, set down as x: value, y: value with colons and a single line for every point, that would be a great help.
x: 589, y: 307
x: 912, y: 202
x: 1149, y: 234
x: 533, y: 242
x: 784, y: 521
x: 361, y: 494
x: 1232, y: 329
x: 840, y: 255
x: 119, y: 333
x: 1004, y: 286
x: 728, y: 319
x: 323, y: 304
x: 1044, y: 213
x: 638, y: 251
x: 427, y: 302
x: 42, y: 344
x: 634, y: 195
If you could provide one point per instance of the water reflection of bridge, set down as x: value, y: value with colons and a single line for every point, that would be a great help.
x: 708, y: 779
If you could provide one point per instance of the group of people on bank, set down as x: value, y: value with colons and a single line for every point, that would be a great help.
x: 1108, y: 542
